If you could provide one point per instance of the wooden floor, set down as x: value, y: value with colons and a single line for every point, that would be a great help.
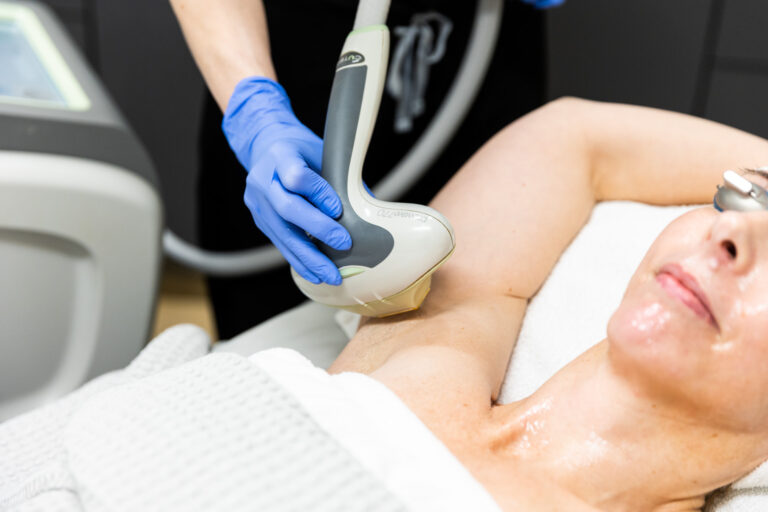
x: 183, y: 299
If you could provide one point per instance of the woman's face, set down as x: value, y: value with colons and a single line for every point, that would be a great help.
x: 693, y: 324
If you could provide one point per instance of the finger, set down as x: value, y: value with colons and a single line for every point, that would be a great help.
x: 296, y: 177
x: 298, y: 249
x: 296, y: 210
x: 291, y: 241
x: 305, y: 251
x: 313, y: 153
x: 295, y: 262
x: 263, y: 217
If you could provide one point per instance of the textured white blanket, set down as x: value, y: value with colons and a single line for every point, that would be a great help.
x: 181, y: 430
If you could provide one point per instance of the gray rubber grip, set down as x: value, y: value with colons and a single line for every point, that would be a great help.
x: 370, y: 243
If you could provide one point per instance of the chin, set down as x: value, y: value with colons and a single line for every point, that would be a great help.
x: 654, y: 344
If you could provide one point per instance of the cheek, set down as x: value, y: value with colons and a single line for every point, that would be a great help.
x: 747, y: 297
x: 740, y: 357
x: 732, y: 388
x: 739, y: 363
x: 678, y: 240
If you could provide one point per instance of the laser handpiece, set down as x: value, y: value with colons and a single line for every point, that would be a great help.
x: 739, y: 194
x: 396, y: 247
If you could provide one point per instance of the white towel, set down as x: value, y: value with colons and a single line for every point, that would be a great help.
x: 373, y: 424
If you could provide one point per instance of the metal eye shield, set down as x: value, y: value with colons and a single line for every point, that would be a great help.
x: 739, y: 194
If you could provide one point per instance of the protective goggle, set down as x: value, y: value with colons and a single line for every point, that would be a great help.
x: 739, y: 194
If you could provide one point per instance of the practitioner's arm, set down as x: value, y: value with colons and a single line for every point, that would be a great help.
x: 287, y: 197
x: 515, y: 206
x: 229, y: 41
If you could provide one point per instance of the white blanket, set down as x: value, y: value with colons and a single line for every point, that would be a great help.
x: 178, y: 430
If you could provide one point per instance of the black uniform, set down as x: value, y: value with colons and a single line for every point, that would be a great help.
x: 306, y: 37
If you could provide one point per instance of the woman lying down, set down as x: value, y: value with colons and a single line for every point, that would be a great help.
x: 669, y: 407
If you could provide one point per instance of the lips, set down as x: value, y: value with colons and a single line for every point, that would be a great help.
x: 683, y: 287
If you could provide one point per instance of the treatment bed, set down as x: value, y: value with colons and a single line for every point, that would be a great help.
x: 178, y: 431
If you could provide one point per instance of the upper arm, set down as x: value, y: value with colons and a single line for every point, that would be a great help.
x: 659, y: 157
x: 515, y: 206
x: 518, y: 203
x: 513, y: 209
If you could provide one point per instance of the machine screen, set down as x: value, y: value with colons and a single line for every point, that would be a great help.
x: 23, y: 75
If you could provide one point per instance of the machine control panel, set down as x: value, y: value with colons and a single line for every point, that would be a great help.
x: 34, y: 72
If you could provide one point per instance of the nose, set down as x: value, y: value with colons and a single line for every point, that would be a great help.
x: 732, y: 240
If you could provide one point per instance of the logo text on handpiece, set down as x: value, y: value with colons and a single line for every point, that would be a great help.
x: 349, y: 59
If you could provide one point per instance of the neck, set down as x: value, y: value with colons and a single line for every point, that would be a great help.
x: 598, y: 437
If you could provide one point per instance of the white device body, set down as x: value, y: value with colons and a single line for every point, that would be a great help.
x: 423, y: 238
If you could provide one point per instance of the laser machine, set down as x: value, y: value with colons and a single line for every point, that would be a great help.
x: 80, y: 218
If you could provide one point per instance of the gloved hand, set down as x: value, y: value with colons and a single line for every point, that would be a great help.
x: 544, y: 4
x: 284, y: 190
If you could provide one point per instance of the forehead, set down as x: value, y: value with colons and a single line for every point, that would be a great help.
x: 690, y: 222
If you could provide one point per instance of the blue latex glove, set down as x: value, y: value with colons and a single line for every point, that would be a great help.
x: 544, y: 4
x: 284, y: 190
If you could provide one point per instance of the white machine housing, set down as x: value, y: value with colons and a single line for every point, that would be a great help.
x: 80, y: 219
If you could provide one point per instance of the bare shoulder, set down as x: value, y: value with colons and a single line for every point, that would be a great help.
x: 442, y: 362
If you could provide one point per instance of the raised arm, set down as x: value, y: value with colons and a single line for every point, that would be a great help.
x: 528, y: 191
x: 229, y: 41
x: 515, y: 206
x: 284, y: 191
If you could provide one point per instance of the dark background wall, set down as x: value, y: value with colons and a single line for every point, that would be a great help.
x: 646, y: 52
x: 705, y: 57
x: 137, y: 48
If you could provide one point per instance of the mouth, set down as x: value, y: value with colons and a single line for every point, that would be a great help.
x: 683, y: 287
